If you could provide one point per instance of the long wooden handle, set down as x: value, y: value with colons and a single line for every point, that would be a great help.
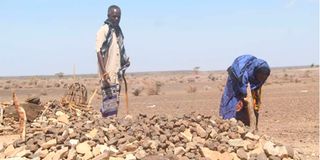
x: 126, y: 92
x: 250, y: 109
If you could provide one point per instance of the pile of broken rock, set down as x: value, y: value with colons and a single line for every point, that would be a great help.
x: 64, y: 134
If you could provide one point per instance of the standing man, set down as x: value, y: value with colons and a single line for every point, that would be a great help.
x: 112, y: 61
x: 245, y: 69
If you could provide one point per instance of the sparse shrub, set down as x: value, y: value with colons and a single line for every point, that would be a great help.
x: 6, y: 87
x: 33, y: 81
x: 312, y: 65
x: 41, y: 84
x: 221, y: 87
x: 191, y: 80
x: 23, y: 83
x: 306, y: 74
x: 8, y: 81
x: 196, y: 70
x: 59, y: 75
x: 191, y: 89
x: 137, y: 91
x: 16, y: 86
x: 57, y: 85
x: 159, y: 84
x: 212, y: 77
x: 153, y: 88
x: 65, y: 85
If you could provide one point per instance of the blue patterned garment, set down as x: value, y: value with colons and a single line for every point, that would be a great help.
x: 241, y: 72
x: 110, y: 101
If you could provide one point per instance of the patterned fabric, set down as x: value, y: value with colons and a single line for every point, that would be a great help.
x: 110, y: 101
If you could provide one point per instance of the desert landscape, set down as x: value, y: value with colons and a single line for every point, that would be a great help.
x: 289, y: 115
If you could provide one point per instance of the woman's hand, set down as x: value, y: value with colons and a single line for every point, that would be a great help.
x: 239, y: 105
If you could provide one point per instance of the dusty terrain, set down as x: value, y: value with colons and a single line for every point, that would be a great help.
x: 290, y: 111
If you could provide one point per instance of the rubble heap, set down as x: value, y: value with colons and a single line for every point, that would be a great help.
x: 61, y: 133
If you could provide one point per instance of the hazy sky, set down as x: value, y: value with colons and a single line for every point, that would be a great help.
x: 49, y: 36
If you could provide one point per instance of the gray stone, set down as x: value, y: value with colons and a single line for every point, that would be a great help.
x: 238, y: 142
x: 60, y: 153
x: 200, y: 131
x: 49, y: 144
x: 9, y: 150
x: 72, y: 154
x: 130, y: 156
x: 269, y: 148
x: 252, y: 136
x: 140, y: 154
x: 83, y: 148
x: 49, y: 156
x: 274, y: 158
x: 162, y: 138
x: 262, y: 156
x: 179, y: 151
x: 242, y: 154
x: 187, y: 134
x: 23, y: 153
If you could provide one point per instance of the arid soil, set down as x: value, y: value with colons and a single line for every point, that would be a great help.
x: 290, y: 111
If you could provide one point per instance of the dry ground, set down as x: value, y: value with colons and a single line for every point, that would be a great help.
x: 290, y: 113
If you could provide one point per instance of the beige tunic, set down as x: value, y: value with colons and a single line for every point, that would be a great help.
x: 113, y: 62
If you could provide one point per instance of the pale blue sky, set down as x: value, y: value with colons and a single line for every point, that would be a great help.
x: 43, y: 37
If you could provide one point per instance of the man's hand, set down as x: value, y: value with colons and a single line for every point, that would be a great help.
x: 105, y: 77
x: 127, y: 63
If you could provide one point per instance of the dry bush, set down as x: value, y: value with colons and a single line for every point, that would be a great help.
x: 32, y: 83
x: 6, y: 87
x: 24, y: 83
x: 212, y: 77
x: 66, y: 85
x: 191, y: 80
x: 153, y: 87
x: 16, y: 85
x: 41, y: 84
x: 137, y: 91
x: 8, y: 81
x: 59, y: 75
x: 221, y: 87
x: 191, y: 89
x: 306, y: 74
x: 57, y: 85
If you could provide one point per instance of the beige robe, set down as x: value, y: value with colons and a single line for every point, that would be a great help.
x: 113, y: 62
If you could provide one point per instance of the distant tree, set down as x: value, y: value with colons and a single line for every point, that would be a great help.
x: 312, y: 65
x: 196, y: 70
x: 59, y: 75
